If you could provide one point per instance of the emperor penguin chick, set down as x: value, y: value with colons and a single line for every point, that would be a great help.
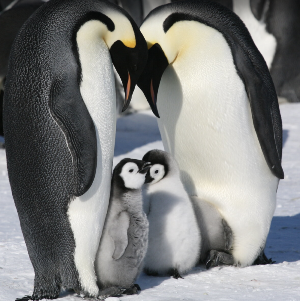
x: 124, y: 240
x: 174, y: 236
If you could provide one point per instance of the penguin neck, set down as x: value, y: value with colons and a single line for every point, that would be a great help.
x: 98, y: 90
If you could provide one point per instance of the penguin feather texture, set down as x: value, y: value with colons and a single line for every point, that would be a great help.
x: 124, y: 240
x: 174, y: 236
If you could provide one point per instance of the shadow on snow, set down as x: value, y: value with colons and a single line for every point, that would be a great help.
x: 283, y: 243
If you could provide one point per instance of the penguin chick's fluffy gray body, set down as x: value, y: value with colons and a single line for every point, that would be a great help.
x: 174, y: 236
x: 124, y: 240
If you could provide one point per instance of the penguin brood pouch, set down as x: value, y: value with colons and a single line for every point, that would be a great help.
x: 219, y: 119
x: 124, y: 241
x: 59, y: 123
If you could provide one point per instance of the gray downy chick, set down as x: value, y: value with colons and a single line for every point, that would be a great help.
x: 124, y: 241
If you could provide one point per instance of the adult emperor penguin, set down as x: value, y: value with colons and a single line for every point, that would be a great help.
x: 274, y: 27
x: 174, y: 238
x: 220, y: 119
x: 59, y: 124
x: 124, y: 241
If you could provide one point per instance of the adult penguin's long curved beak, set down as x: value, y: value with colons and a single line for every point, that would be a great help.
x: 150, y: 79
x: 129, y: 62
x: 128, y: 92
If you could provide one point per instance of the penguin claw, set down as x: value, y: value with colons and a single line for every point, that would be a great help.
x: 177, y: 275
x: 137, y: 286
x: 25, y: 298
x: 133, y: 290
x: 263, y: 259
x: 113, y: 291
x: 35, y: 298
x: 216, y: 258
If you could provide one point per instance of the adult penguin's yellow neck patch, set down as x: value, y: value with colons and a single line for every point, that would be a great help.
x: 150, y: 44
x: 129, y: 43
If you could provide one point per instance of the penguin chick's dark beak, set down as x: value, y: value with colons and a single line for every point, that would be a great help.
x: 148, y: 178
x: 152, y: 74
x: 145, y: 168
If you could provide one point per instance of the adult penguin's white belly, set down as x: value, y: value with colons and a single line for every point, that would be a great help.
x: 87, y: 212
x: 206, y: 124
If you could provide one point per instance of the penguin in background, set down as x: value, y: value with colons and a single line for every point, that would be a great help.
x: 4, y: 4
x: 11, y: 21
x: 274, y: 27
x: 281, y: 20
x: 139, y: 9
x: 59, y: 104
x: 174, y: 236
x: 219, y: 119
x: 124, y: 241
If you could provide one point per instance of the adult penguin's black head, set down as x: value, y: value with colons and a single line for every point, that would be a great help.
x: 126, y: 44
x: 150, y: 79
x: 162, y: 51
x: 128, y: 50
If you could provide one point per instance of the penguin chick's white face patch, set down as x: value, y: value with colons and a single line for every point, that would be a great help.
x: 157, y: 172
x: 131, y: 176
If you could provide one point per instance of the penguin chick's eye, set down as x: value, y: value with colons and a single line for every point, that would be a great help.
x: 131, y: 170
x: 157, y: 172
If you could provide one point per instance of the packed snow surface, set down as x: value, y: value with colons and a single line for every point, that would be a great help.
x: 136, y: 134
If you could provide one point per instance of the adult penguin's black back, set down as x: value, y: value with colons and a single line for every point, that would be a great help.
x: 56, y: 152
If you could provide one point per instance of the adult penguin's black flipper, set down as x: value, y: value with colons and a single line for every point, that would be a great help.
x: 71, y: 113
x: 266, y: 117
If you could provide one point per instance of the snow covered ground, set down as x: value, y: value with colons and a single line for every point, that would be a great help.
x: 136, y: 134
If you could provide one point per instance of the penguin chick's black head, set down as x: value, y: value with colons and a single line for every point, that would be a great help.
x: 159, y: 165
x: 129, y: 62
x: 152, y: 74
x: 130, y: 173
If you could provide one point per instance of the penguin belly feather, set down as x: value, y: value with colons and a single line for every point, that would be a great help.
x: 174, y: 238
x: 123, y: 243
